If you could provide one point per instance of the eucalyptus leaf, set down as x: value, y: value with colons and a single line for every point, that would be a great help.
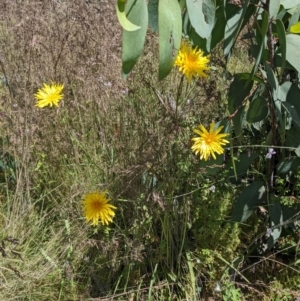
x: 122, y: 18
x: 287, y: 4
x: 293, y: 139
x: 274, y: 8
x: 276, y: 218
x: 226, y: 126
x: 133, y: 41
x: 202, y: 16
x: 293, y: 50
x: 239, y: 89
x: 242, y: 165
x: 254, y: 50
x: 239, y: 121
x: 288, y: 165
x: 170, y: 27
x: 258, y: 110
x: 283, y: 90
x: 281, y: 97
x: 291, y: 215
x: 282, y: 41
x: 153, y: 14
x: 292, y: 97
x: 202, y: 43
x: 282, y: 13
x: 219, y: 28
x: 251, y: 197
x: 260, y: 35
x: 233, y: 27
x: 186, y: 24
x: 212, y: 167
x: 290, y: 108
x: 247, y: 76
x: 272, y: 79
x: 258, y: 125
x: 295, y: 16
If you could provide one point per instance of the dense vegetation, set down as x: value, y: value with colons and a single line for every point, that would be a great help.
x: 184, y: 228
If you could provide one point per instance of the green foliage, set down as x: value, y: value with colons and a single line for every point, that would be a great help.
x: 252, y: 196
x: 231, y: 293
x: 121, y: 13
x: 278, y: 292
x: 8, y: 168
x: 170, y: 26
x: 258, y: 110
x: 263, y: 107
x: 202, y: 16
x: 153, y: 14
x: 292, y: 50
x: 184, y: 229
x: 133, y: 42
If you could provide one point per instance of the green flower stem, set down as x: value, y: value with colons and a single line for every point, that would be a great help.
x: 232, y: 158
x: 178, y: 97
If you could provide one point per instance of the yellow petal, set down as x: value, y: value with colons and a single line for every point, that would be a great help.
x: 295, y: 28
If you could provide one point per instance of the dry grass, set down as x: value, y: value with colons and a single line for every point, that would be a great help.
x: 106, y: 133
x: 72, y: 43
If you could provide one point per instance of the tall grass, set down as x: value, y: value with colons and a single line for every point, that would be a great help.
x: 171, y: 238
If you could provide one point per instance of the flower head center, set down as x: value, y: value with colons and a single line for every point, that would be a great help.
x: 192, y: 62
x: 49, y: 95
x: 97, y: 205
x: 209, y: 139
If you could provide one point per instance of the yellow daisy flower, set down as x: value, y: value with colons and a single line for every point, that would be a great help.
x: 95, y: 206
x: 191, y: 61
x: 209, y: 142
x: 49, y: 95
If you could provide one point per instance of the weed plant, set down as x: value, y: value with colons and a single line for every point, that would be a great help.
x: 172, y: 238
